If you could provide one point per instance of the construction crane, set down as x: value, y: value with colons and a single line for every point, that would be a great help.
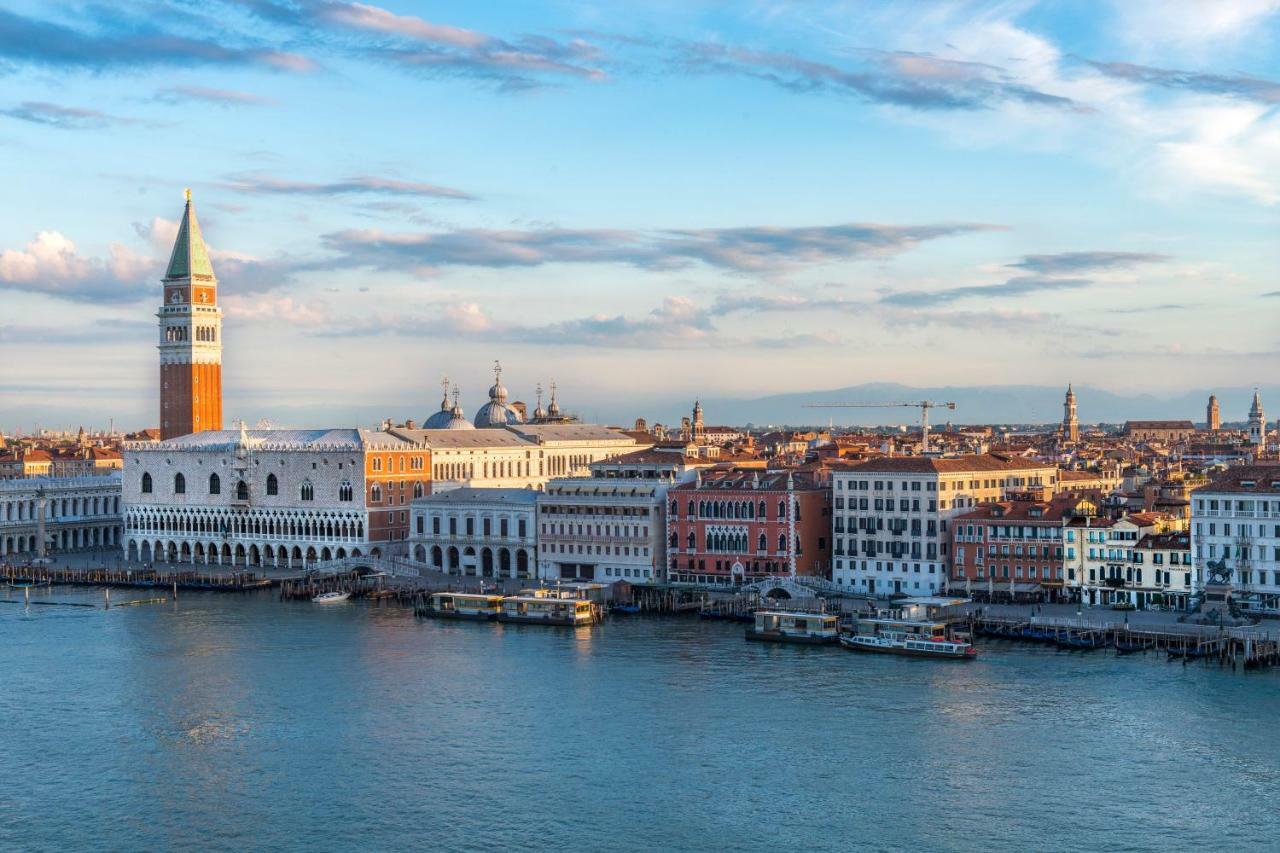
x: 924, y: 406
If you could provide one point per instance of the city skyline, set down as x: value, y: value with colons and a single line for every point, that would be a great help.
x: 995, y: 194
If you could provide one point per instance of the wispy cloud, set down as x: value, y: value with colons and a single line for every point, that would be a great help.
x: 1079, y: 262
x: 751, y: 249
x: 415, y: 44
x: 360, y: 184
x: 678, y: 323
x: 66, y: 118
x: 913, y: 80
x: 1048, y: 273
x: 1019, y: 286
x: 221, y: 97
x: 1234, y: 85
x: 122, y: 43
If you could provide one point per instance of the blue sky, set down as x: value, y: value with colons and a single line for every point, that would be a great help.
x: 646, y: 201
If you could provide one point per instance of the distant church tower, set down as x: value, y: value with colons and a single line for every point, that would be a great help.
x: 699, y: 428
x: 1070, y: 424
x: 1257, y: 422
x: 190, y: 336
x: 1213, y: 415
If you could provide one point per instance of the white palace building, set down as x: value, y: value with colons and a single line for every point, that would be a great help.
x: 289, y: 498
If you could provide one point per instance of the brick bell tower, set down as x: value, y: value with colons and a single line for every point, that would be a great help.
x: 190, y: 336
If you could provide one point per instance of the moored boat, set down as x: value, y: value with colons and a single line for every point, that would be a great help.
x: 331, y: 597
x: 894, y: 636
x: 462, y: 605
x: 548, y: 610
x: 794, y: 626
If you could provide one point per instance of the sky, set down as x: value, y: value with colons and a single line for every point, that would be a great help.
x: 645, y: 202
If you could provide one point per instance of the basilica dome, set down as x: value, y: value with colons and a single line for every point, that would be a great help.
x: 497, y: 412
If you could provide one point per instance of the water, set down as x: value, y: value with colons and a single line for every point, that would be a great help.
x: 234, y: 723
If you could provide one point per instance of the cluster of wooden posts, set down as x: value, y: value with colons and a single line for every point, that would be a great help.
x: 148, y: 578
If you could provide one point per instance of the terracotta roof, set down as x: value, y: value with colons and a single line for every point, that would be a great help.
x: 1179, y: 540
x: 1051, y: 511
x: 946, y: 465
x: 1250, y: 479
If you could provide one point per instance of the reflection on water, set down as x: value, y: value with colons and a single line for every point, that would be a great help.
x: 229, y: 722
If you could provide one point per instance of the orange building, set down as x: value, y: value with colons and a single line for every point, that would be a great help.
x: 190, y: 336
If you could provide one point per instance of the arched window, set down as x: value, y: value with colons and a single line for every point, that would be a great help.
x: 674, y: 508
x: 782, y: 541
x: 675, y: 540
x: 375, y: 494
x: 418, y: 491
x: 242, y: 491
x: 690, y: 506
x: 307, y: 492
x: 764, y: 543
x: 762, y: 512
x: 344, y: 492
x: 782, y: 509
x: 146, y: 483
x: 273, y: 485
x: 693, y: 540
x: 179, y: 484
x: 215, y: 484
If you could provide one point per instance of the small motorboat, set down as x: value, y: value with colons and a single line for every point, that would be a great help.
x: 625, y: 609
x: 331, y: 597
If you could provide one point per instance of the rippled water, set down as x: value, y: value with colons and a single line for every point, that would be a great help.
x: 233, y: 723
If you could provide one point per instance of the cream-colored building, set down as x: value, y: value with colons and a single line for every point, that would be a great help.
x: 518, y: 455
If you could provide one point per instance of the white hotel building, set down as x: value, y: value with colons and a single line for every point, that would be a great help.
x: 891, y: 516
x: 1236, y: 518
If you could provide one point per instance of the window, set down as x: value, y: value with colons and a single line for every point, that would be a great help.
x: 344, y: 492
x: 179, y: 484
x: 763, y: 544
x: 782, y: 541
x: 693, y: 540
x: 375, y: 493
x: 215, y: 484
x: 308, y: 491
x: 146, y: 483
x: 273, y: 485
x: 242, y: 491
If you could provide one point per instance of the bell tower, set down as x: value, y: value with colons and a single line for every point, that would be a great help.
x: 190, y: 336
x: 1070, y: 423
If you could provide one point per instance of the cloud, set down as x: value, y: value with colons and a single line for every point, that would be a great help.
x: 222, y: 97
x: 678, y: 323
x: 1078, y: 262
x: 415, y: 44
x: 123, y: 43
x: 277, y: 310
x: 1019, y: 286
x: 918, y: 81
x: 66, y: 118
x: 50, y: 264
x: 1232, y: 85
x: 363, y: 184
x: 752, y: 249
x: 1049, y: 272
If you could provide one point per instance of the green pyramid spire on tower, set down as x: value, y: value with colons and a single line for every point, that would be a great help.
x: 190, y: 258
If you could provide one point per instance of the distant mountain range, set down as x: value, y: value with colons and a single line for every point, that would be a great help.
x: 1011, y: 404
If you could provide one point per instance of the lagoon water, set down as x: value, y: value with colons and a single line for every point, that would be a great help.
x: 242, y: 723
